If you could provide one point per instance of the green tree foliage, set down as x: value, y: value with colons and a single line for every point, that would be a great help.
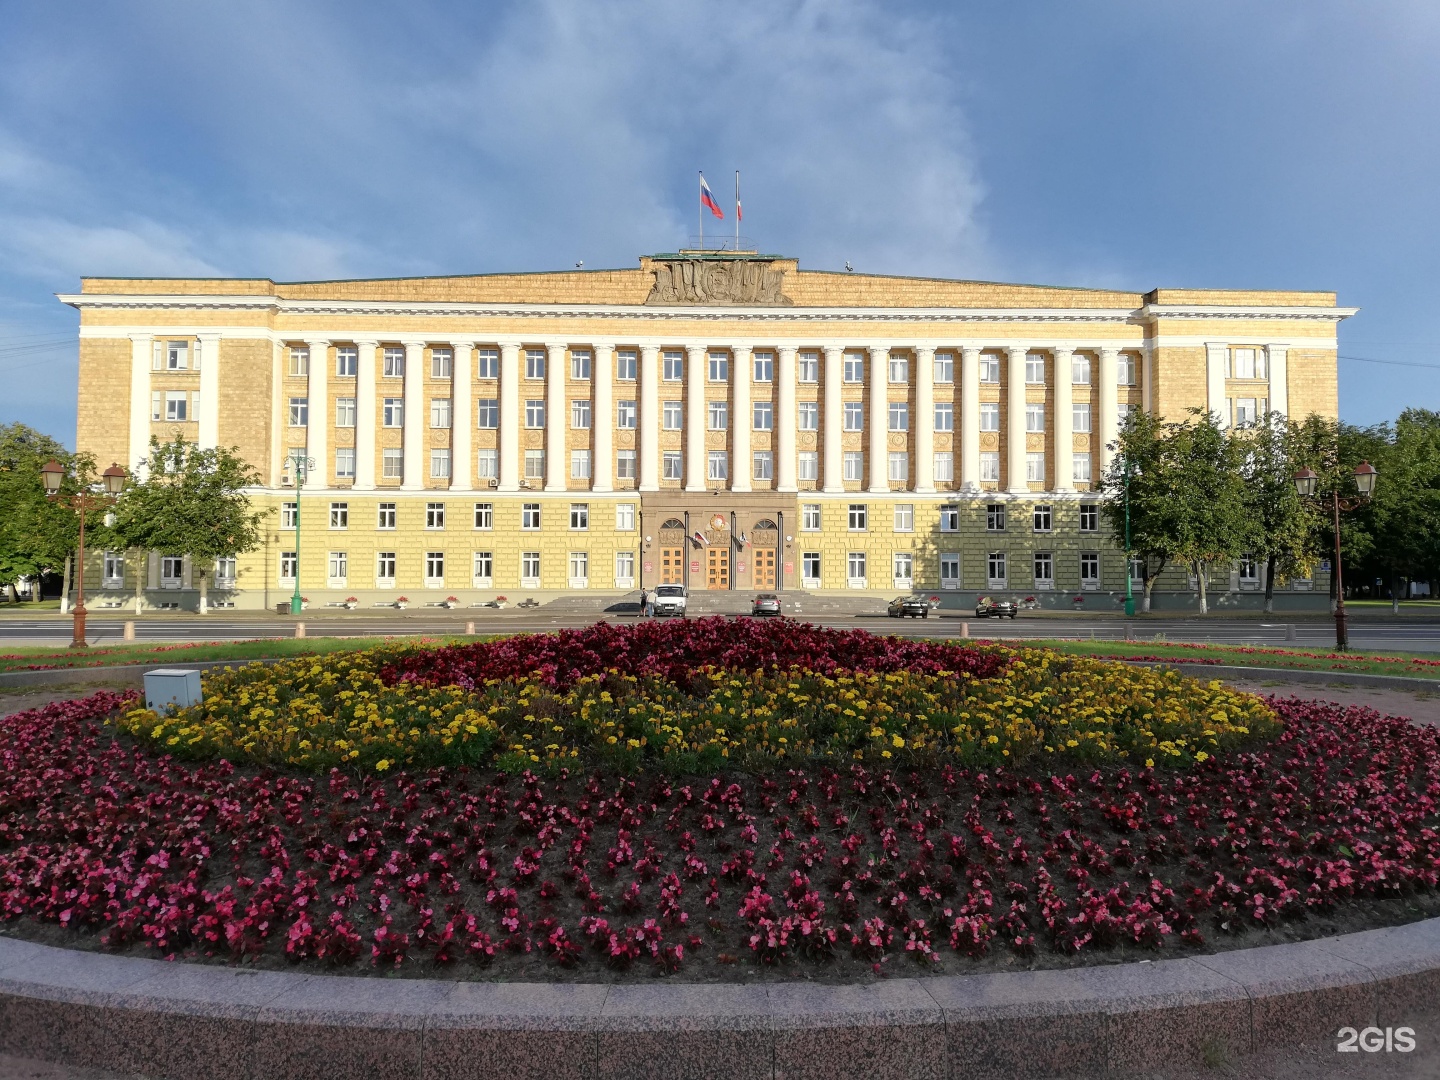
x: 37, y: 534
x: 1399, y: 523
x: 1282, y: 522
x: 1140, y: 446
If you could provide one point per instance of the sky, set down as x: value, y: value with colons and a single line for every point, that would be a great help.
x: 1134, y: 145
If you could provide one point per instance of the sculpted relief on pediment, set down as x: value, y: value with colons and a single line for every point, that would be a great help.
x: 704, y: 281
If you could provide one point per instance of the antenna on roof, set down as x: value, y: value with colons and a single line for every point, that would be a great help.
x: 848, y: 268
x: 580, y: 265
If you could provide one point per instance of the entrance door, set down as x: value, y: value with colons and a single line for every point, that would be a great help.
x: 765, y: 569
x: 717, y: 567
x: 672, y: 565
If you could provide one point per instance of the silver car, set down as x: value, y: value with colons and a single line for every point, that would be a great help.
x: 766, y: 603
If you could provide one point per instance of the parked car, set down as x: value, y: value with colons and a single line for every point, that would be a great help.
x: 766, y: 603
x: 909, y: 607
x: 668, y: 600
x: 985, y: 607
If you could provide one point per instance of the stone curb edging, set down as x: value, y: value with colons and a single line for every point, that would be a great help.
x: 194, y: 1022
x: 124, y: 674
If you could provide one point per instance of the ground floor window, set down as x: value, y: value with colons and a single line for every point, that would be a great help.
x: 434, y: 568
x: 995, y: 563
x: 482, y: 572
x: 1249, y: 572
x: 855, y: 569
x: 624, y: 569
x: 810, y: 570
x: 530, y: 569
x: 950, y: 570
x: 384, y: 569
x: 1089, y: 570
x: 904, y: 570
x: 579, y: 570
x: 288, y: 563
x: 172, y: 571
x: 339, y: 568
x: 225, y: 571
x: 114, y: 569
x: 1044, y: 570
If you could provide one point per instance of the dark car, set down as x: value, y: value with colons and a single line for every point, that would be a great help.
x: 908, y: 606
x: 766, y: 603
x: 985, y: 607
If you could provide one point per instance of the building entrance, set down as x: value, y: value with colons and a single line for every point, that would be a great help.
x: 764, y: 576
x: 717, y: 567
x: 672, y: 565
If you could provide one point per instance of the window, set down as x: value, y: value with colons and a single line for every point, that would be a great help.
x: 1137, y: 570
x: 345, y: 463
x: 904, y: 565
x: 1123, y: 411
x: 287, y: 515
x: 1041, y: 517
x: 718, y: 466
x: 1090, y: 517
x: 810, y: 567
x: 719, y: 413
x: 854, y: 416
x: 899, y: 466
x: 434, y: 567
x: 482, y: 568
x: 624, y: 569
x: 345, y: 412
x: 808, y: 466
x: 385, y: 516
x: 854, y: 368
x: 1080, y: 370
x: 1242, y: 363
x: 392, y: 363
x: 904, y: 517
x: 944, y: 467
x: 580, y: 365
x: 1035, y: 416
x: 764, y: 367
x: 899, y: 369
x: 487, y: 465
x: 1044, y: 570
x: 989, y: 466
x: 810, y: 517
x: 625, y: 415
x: 224, y: 572
x: 899, y: 416
x: 299, y: 409
x: 624, y: 517
x: 944, y: 367
x: 857, y: 517
x: 579, y: 569
x: 809, y: 412
x: 944, y: 416
x: 855, y: 569
x: 384, y: 567
x: 534, y: 363
x: 484, y: 515
x: 672, y: 366
x: 989, y: 369
x: 177, y: 407
x: 579, y: 515
x: 115, y: 569
x: 487, y: 413
x: 625, y: 464
x: 989, y: 416
x: 535, y: 413
x: 339, y: 515
x: 530, y: 567
x: 1244, y: 412
x: 764, y: 465
x: 534, y: 464
x: 1080, y: 419
x: 580, y: 414
x: 625, y: 365
x: 392, y: 410
x: 671, y: 415
x: 530, y: 516
x: 719, y: 367
x: 995, y: 517
x: 299, y: 361
x: 950, y: 518
x: 763, y: 416
x: 579, y: 464
x: 338, y: 566
x: 1080, y: 467
x: 1035, y: 468
x: 487, y: 363
x: 177, y: 356
x: 1089, y: 570
x: 442, y: 363
x: 854, y: 464
x: 288, y: 562
x: 673, y: 465
x: 1034, y: 370
x: 950, y: 570
x: 347, y: 362
x: 808, y: 367
x: 440, y: 412
x: 440, y: 464
x: 435, y: 515
x: 1125, y: 370
x: 995, y: 570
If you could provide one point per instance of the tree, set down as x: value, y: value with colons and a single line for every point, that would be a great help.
x: 1282, y: 521
x: 191, y: 502
x: 37, y: 535
x: 1399, y: 519
x: 1139, y: 445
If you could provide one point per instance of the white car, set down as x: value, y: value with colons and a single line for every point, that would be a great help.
x: 668, y: 600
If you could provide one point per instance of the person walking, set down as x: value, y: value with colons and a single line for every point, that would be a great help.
x: 643, y: 598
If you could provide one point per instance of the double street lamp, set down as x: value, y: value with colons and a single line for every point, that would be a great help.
x: 300, y: 465
x: 82, y: 502
x: 1307, y: 484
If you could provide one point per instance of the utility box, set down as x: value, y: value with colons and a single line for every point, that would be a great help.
x: 171, y: 688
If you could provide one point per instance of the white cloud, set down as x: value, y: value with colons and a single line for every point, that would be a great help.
x: 48, y: 247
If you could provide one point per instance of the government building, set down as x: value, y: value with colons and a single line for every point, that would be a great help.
x: 722, y: 419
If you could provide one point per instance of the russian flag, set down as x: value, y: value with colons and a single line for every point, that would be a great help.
x: 706, y: 199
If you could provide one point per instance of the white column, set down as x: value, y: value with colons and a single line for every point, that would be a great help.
x: 970, y: 418
x: 207, y: 359
x: 365, y: 415
x: 557, y: 419
x: 833, y: 421
x: 649, y: 420
x: 1148, y: 378
x: 741, y: 357
x: 1275, y: 367
x: 462, y: 417
x: 879, y: 420
x: 924, y: 419
x: 1109, y: 418
x: 1015, y: 420
x: 317, y: 430
x: 416, y: 466
x: 602, y: 378
x: 695, y: 418
x: 277, y: 416
x: 512, y: 416
x: 785, y: 420
x: 142, y: 351
x: 1064, y: 419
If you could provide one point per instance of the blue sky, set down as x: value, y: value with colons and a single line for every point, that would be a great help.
x: 1116, y: 144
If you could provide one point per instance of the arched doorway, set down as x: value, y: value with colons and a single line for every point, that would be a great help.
x: 764, y: 544
x: 672, y: 552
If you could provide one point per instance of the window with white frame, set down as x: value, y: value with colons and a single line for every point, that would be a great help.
x: 1080, y: 468
x: 1123, y: 411
x: 899, y: 368
x: 719, y: 415
x: 809, y: 517
x: 764, y: 465
x: 764, y: 366
x: 579, y: 464
x: 392, y: 363
x: 625, y: 415
x: 434, y: 568
x: 762, y: 416
x: 299, y: 361
x: 904, y: 567
x: 810, y: 569
x: 440, y: 412
x: 173, y: 405
x: 671, y: 415
x: 854, y: 416
x: 1035, y: 370
x: 487, y: 363
x: 855, y: 569
x: 899, y: 466
x: 487, y: 413
x: 854, y: 465
x: 1137, y: 570
x: 625, y: 365
x: 1246, y: 362
x: 717, y: 466
x: 580, y: 414
x: 344, y: 412
x: 339, y: 515
x: 672, y: 366
x: 440, y: 463
x: 858, y: 515
x: 1249, y: 571
x: 672, y: 464
x: 899, y: 416
x: 1244, y: 412
x: 625, y: 464
x: 807, y: 367
x: 435, y: 515
x: 579, y: 515
x: 989, y: 368
x: 579, y: 569
x: 442, y: 363
x: 530, y: 516
x: 1090, y: 517
x: 1042, y: 517
x: 944, y: 367
x: 995, y: 570
x: 944, y: 416
x: 719, y: 367
x: 944, y: 467
x: 287, y: 515
x: 177, y: 356
x: 853, y: 369
x: 995, y: 517
x: 904, y: 517
x: 225, y: 568
x: 530, y: 568
x: 989, y: 466
x: 809, y: 415
x: 289, y: 560
x: 484, y: 515
x: 624, y: 569
x: 347, y: 362
x: 1125, y: 369
x: 1034, y: 417
x: 534, y: 363
x: 1035, y: 468
x: 385, y: 516
x: 950, y: 518
x: 487, y: 465
x: 115, y: 569
x: 580, y: 364
x: 338, y: 568
x: 624, y: 517
x: 1080, y: 418
x: 1089, y: 570
x: 989, y: 416
x: 807, y: 467
x: 535, y: 413
x: 384, y: 568
x: 534, y: 464
x: 392, y: 412
x: 482, y: 569
x: 1044, y: 570
x: 949, y: 570
x: 299, y: 410
x: 1080, y: 369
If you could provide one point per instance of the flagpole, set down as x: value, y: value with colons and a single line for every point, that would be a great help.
x: 701, y: 215
x: 737, y: 209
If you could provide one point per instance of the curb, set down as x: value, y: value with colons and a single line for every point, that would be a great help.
x: 188, y: 1021
x: 1310, y: 676
x: 125, y: 674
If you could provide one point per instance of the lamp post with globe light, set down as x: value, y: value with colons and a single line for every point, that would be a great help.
x: 1307, y: 484
x: 301, y: 466
x: 82, y: 502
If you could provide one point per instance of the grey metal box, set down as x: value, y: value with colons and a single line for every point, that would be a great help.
x: 167, y: 688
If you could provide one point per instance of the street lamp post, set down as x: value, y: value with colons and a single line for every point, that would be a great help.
x: 301, y: 466
x: 1129, y: 577
x: 1306, y: 483
x: 83, y: 502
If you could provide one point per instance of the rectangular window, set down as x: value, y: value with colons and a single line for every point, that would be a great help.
x: 624, y: 569
x: 672, y: 366
x: 177, y: 356
x: 1041, y: 517
x: 764, y: 465
x: 762, y: 416
x: 580, y: 414
x: 487, y: 465
x: 808, y: 367
x: 1035, y: 468
x: 224, y: 572
x: 625, y: 464
x: 434, y: 567
x: 904, y: 567
x: 345, y: 463
x: 534, y: 363
x: 899, y: 369
x: 579, y: 515
x: 579, y: 464
x: 392, y: 363
x: 288, y: 561
x: 624, y: 517
x: 944, y: 468
x: 673, y: 464
x: 177, y: 406
x: 484, y: 515
x: 995, y: 517
x: 854, y: 416
x: 530, y: 516
x: 435, y: 515
x: 347, y: 362
x: 1080, y: 467
x: 299, y: 409
x: 809, y: 412
x: 858, y: 516
x: 339, y: 515
x: 1035, y: 417
x: 950, y: 570
x: 1035, y: 370
x: 989, y: 466
x: 764, y: 367
x: 384, y: 567
x: 1080, y: 370
x: 1125, y: 370
x: 625, y: 365
x: 671, y: 415
x: 944, y: 367
x: 487, y: 413
x: 990, y: 369
x: 1089, y: 569
x: 995, y: 570
x: 1123, y: 411
x: 719, y: 414
x: 855, y: 569
x: 989, y: 416
x: 1242, y: 363
x: 1080, y: 419
x: 440, y: 412
x: 530, y: 567
x: 718, y: 466
x: 580, y: 365
x: 440, y: 464
x: 1044, y: 570
x: 810, y: 567
x: 899, y: 466
x: 339, y: 566
x: 904, y: 517
x: 1244, y: 412
x: 487, y: 363
x: 854, y: 369
x: 625, y: 415
x: 810, y: 517
x: 392, y: 412
x: 899, y: 416
x: 482, y: 568
x: 944, y: 416
x: 287, y: 515
x: 719, y: 367
x: 534, y: 464
x: 950, y: 518
x: 345, y: 412
x: 535, y: 413
x: 579, y: 569
x: 442, y: 363
x: 854, y: 465
x: 808, y: 466
x: 299, y: 361
x: 1090, y: 517
x: 385, y: 516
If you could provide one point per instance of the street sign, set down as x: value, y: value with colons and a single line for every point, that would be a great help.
x: 695, y: 566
